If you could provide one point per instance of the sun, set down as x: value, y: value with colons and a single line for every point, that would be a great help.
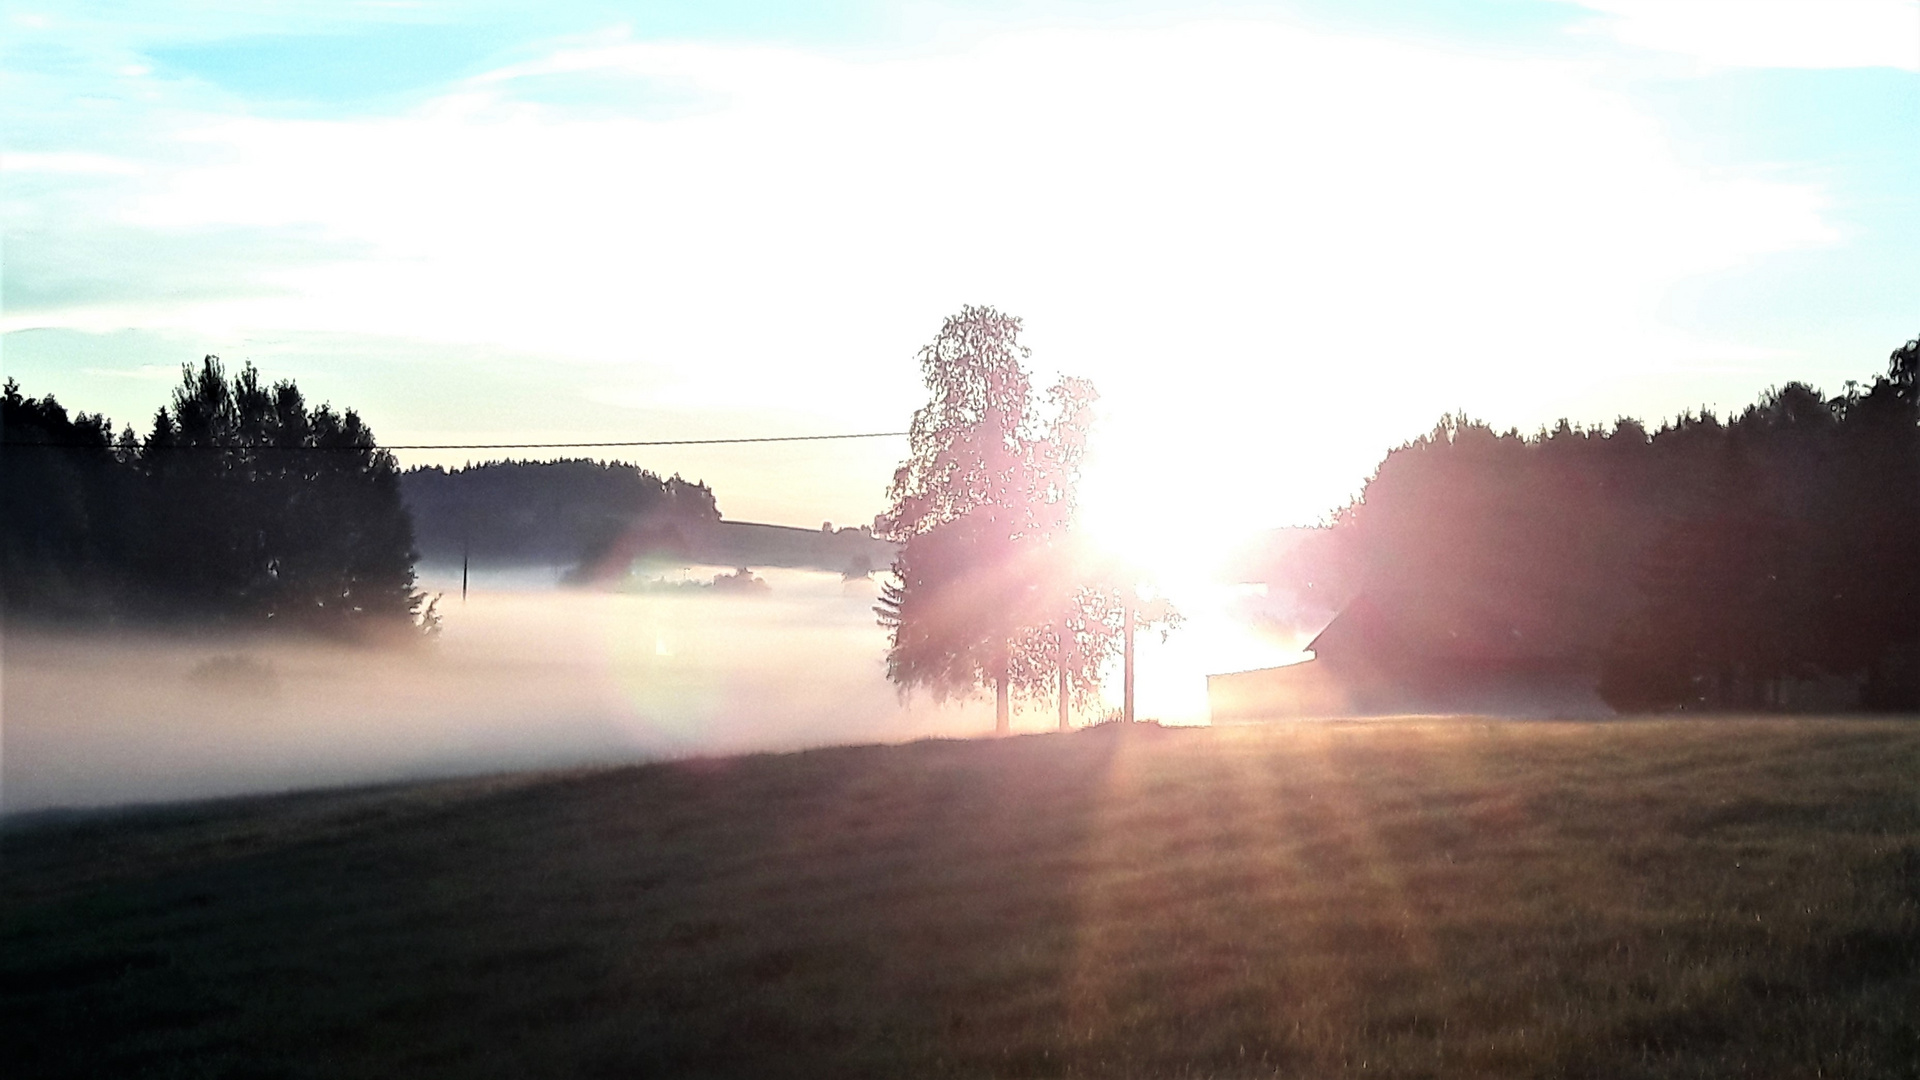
x: 1142, y: 526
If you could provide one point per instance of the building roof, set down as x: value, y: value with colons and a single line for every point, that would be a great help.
x: 1431, y: 626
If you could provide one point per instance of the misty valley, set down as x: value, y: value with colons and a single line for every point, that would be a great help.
x: 520, y: 677
x: 1172, y: 540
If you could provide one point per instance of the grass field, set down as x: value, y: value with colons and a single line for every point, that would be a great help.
x: 1437, y: 899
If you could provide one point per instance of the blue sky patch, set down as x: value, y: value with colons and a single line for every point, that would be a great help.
x: 344, y: 68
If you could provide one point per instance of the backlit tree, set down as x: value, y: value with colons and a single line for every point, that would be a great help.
x: 989, y: 588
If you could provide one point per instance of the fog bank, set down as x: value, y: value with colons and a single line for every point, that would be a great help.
x: 521, y: 677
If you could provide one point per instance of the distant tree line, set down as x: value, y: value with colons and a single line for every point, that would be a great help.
x: 242, y: 504
x: 1712, y: 563
x: 571, y: 513
x: 593, y: 521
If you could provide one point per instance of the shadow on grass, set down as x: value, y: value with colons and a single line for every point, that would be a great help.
x: 1411, y: 899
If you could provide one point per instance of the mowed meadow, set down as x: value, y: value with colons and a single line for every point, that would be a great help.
x: 1406, y: 898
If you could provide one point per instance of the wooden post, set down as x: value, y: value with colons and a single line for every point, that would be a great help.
x: 1126, y: 698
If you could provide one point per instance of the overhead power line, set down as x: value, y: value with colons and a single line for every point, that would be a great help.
x: 485, y: 446
x: 644, y: 442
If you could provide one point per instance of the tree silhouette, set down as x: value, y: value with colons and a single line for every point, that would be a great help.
x: 266, y: 509
x: 1903, y: 371
x: 64, y: 532
x: 1738, y: 563
x: 990, y: 586
x: 243, y: 504
x: 591, y: 515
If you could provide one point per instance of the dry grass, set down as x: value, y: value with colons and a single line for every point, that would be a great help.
x: 1696, y: 898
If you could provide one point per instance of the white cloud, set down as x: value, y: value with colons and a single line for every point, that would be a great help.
x: 167, y: 373
x: 1234, y: 228
x: 73, y: 163
x: 1772, y: 33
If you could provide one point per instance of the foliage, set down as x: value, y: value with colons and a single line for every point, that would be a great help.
x: 1903, y: 371
x: 64, y: 538
x: 243, y: 503
x: 572, y: 512
x: 991, y: 586
x: 269, y: 509
x: 1709, y: 564
x: 1795, y: 561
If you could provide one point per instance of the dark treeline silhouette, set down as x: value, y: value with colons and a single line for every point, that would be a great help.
x: 571, y: 513
x: 594, y: 520
x: 1767, y: 560
x: 243, y: 504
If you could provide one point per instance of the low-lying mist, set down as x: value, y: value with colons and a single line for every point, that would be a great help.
x: 518, y: 678
x: 522, y: 675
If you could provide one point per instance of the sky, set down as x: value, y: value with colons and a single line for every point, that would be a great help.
x: 1281, y: 238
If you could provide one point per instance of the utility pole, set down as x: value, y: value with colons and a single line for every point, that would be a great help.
x: 1060, y: 661
x: 1126, y: 711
